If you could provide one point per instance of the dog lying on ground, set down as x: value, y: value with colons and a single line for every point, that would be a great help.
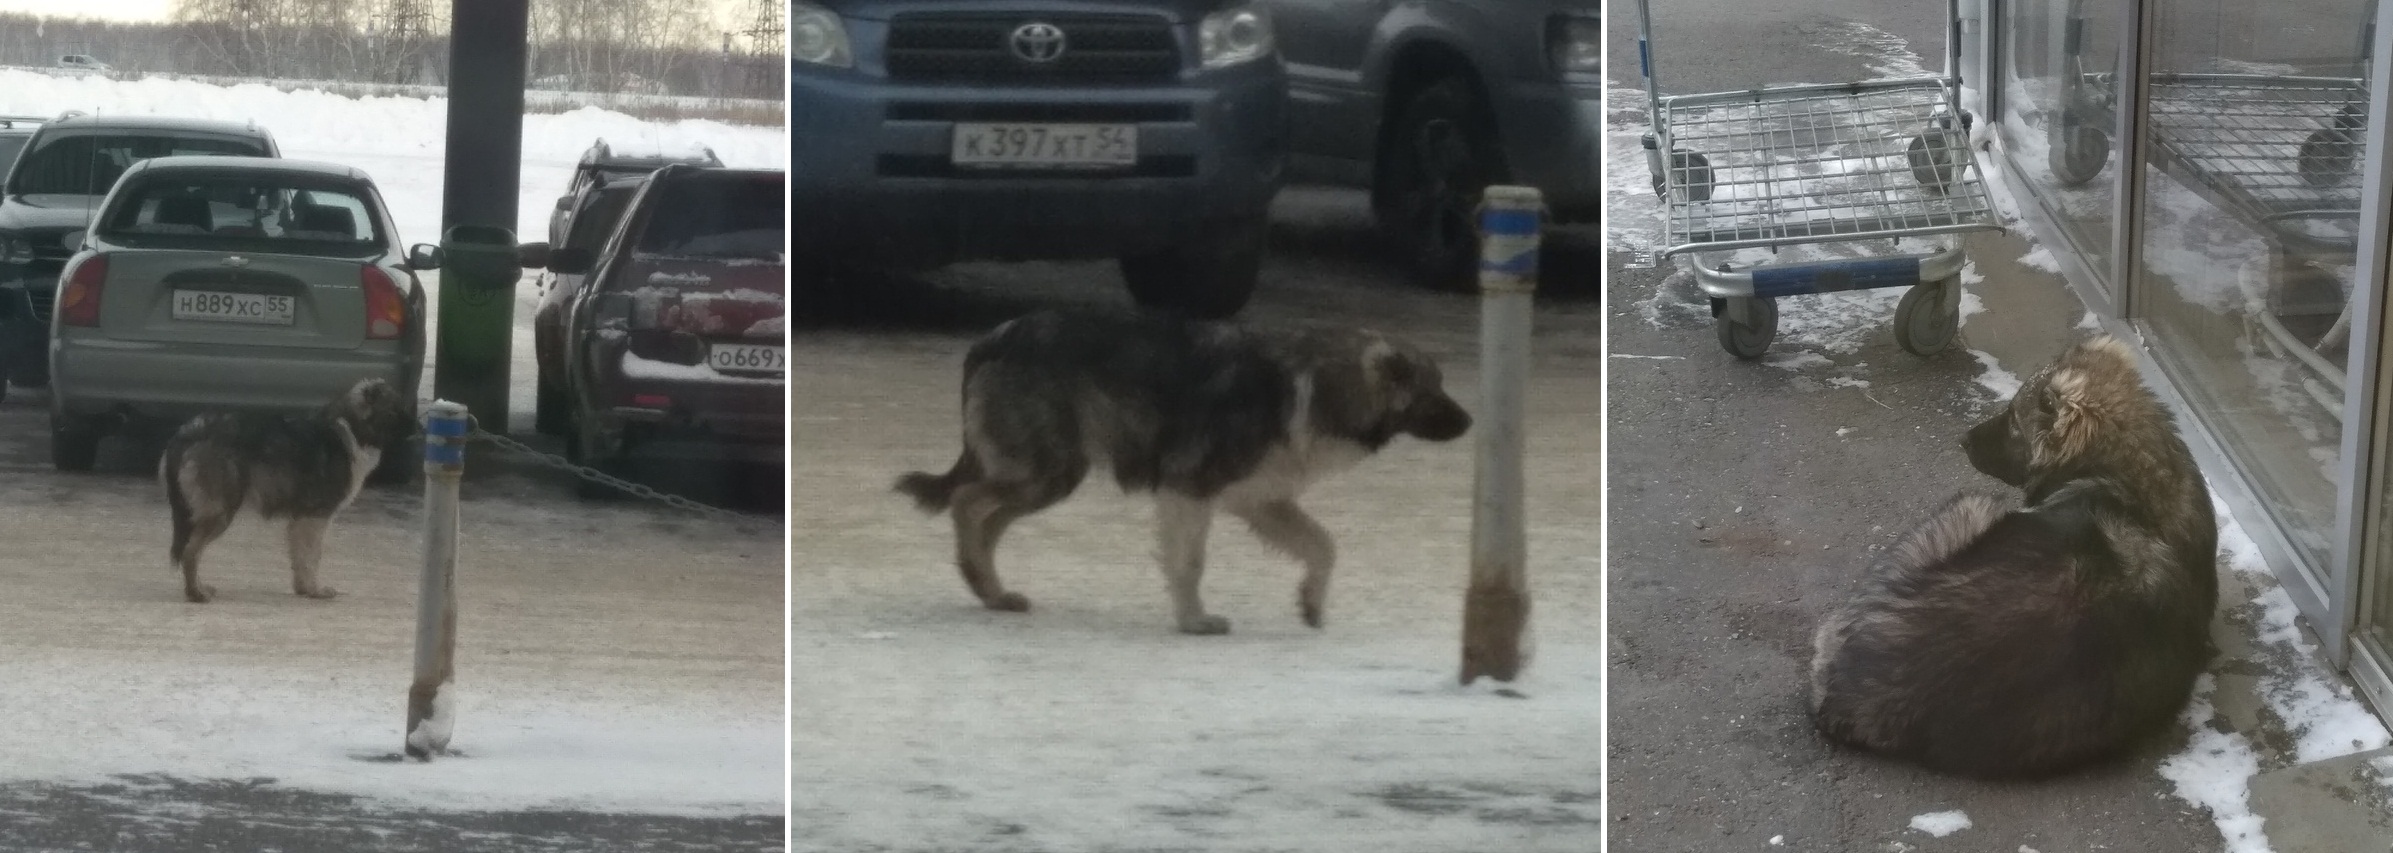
x: 304, y: 468
x: 1206, y: 416
x: 2006, y: 640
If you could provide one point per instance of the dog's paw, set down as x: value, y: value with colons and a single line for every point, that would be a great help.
x: 1010, y: 602
x: 322, y: 593
x: 199, y: 594
x: 1205, y: 625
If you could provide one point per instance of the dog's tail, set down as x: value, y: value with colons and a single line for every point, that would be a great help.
x: 170, y: 475
x: 932, y: 492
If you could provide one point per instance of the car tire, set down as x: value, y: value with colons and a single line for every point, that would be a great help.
x: 1438, y: 158
x: 74, y: 443
x: 552, y: 411
x: 1209, y: 279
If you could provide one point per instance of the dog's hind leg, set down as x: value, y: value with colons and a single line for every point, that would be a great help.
x: 203, y: 530
x: 982, y: 511
x: 1284, y: 525
x: 307, y: 550
x: 1181, y: 523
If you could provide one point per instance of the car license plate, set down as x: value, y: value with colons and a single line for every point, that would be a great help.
x: 1046, y: 145
x: 745, y: 358
x: 218, y: 307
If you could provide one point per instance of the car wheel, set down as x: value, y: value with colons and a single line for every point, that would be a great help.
x: 74, y: 442
x: 1209, y: 279
x: 1437, y: 160
x: 552, y: 412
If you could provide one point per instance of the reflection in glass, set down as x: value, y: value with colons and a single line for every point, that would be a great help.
x: 2060, y: 85
x: 2249, y: 211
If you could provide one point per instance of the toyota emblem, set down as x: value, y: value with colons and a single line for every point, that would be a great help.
x: 1038, y: 41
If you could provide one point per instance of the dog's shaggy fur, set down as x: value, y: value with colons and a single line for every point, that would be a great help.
x: 1205, y: 415
x: 304, y: 468
x: 2005, y: 640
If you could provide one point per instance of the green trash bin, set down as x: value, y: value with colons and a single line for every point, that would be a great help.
x: 476, y: 326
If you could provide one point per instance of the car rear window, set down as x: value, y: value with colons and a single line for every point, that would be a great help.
x: 89, y: 164
x: 9, y: 146
x: 295, y: 213
x: 597, y: 220
x: 705, y: 215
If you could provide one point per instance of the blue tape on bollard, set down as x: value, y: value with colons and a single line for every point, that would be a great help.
x: 1835, y: 276
x: 446, y: 427
x: 1510, y: 223
x: 444, y: 454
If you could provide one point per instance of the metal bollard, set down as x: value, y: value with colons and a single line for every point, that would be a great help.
x: 431, y: 702
x: 1495, y: 613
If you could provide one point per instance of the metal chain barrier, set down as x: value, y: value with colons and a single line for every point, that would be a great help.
x: 740, y: 521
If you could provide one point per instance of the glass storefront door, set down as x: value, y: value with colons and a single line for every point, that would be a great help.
x: 2254, y: 121
x: 2059, y: 73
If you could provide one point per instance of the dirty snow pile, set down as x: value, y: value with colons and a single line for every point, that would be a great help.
x: 2316, y: 708
x: 397, y: 140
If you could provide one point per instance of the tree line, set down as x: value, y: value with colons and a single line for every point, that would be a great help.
x: 647, y: 46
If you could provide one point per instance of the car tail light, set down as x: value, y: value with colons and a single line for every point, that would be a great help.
x: 79, y: 298
x: 386, y: 310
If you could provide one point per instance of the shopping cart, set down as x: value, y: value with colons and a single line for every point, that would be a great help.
x: 1884, y: 161
x: 2276, y: 151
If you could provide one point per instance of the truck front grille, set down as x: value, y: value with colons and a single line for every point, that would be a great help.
x: 41, y: 301
x: 980, y: 48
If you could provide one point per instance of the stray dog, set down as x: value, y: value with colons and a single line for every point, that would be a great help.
x: 301, y: 467
x: 1204, y: 415
x: 2007, y: 640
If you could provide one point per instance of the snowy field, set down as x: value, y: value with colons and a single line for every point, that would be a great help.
x: 613, y: 658
x: 397, y: 140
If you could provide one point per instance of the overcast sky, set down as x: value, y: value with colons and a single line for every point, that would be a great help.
x: 157, y: 10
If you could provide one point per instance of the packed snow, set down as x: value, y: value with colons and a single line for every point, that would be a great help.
x: 1941, y: 824
x: 2215, y: 772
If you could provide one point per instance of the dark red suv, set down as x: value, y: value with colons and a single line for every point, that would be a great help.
x: 666, y: 340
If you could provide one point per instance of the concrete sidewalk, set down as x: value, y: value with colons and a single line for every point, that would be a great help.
x: 1746, y: 499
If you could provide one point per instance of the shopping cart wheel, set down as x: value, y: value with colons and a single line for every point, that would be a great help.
x: 1929, y: 316
x: 2078, y: 152
x: 1694, y: 171
x: 1747, y: 340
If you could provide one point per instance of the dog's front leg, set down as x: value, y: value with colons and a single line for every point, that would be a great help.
x: 1284, y: 525
x: 307, y: 548
x: 1181, y: 523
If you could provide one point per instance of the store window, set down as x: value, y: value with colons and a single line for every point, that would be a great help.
x: 2059, y: 71
x: 2247, y: 234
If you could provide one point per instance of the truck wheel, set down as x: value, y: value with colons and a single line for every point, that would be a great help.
x: 74, y: 442
x: 1435, y: 162
x: 552, y: 411
x: 1209, y: 279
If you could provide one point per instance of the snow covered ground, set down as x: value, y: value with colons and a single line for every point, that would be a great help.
x: 923, y: 723
x: 611, y: 659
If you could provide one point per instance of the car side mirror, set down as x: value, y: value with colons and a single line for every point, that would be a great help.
x: 571, y: 260
x: 564, y: 204
x: 423, y: 256
x: 532, y: 256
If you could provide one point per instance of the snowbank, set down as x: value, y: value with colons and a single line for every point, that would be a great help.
x: 397, y: 140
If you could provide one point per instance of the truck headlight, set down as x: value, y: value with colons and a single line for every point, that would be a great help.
x: 1234, y: 35
x: 1575, y: 44
x: 818, y: 37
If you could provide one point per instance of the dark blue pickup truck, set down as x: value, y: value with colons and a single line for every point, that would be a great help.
x: 1427, y: 102
x: 927, y: 132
